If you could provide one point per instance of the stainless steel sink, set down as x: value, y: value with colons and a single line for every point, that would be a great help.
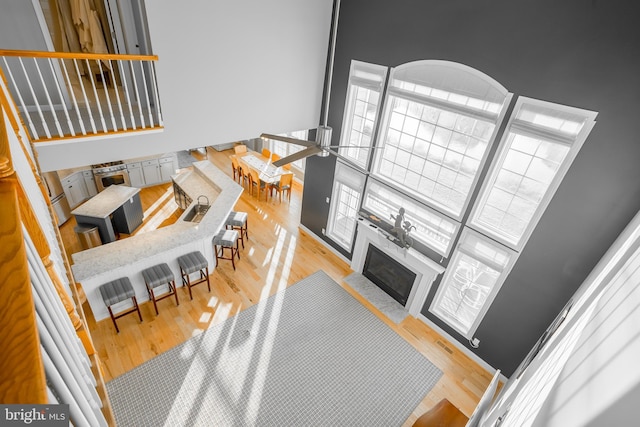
x: 196, y: 213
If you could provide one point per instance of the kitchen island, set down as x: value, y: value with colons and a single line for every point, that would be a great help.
x: 115, y: 209
x: 128, y: 257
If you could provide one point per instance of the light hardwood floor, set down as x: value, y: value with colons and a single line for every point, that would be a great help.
x: 277, y: 254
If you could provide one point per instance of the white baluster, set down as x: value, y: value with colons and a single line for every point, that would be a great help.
x: 56, y: 316
x: 126, y: 92
x: 73, y: 97
x: 35, y: 100
x: 66, y: 113
x: 97, y: 98
x: 154, y: 82
x: 53, y: 400
x: 146, y: 93
x: 106, y: 95
x: 24, y: 107
x: 115, y: 88
x: 84, y: 95
x: 47, y: 340
x: 46, y: 93
x: 80, y: 412
x: 137, y: 93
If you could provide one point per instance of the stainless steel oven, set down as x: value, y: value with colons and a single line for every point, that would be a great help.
x: 110, y: 174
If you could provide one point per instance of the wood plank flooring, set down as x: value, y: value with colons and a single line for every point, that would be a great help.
x: 277, y: 254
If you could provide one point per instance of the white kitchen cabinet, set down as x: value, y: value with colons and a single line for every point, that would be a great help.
x: 167, y: 168
x: 151, y: 172
x: 90, y: 183
x: 75, y: 189
x: 136, y: 177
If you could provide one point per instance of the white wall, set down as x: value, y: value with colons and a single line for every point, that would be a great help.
x: 227, y: 71
x: 587, y: 374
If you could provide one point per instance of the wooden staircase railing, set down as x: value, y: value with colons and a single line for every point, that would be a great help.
x: 67, y: 95
x: 22, y: 372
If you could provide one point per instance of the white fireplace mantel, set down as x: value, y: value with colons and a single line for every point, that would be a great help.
x: 426, y: 269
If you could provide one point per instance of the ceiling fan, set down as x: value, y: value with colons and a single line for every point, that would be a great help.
x: 321, y: 147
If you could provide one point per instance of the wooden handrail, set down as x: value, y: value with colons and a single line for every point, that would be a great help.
x: 75, y: 55
x: 31, y: 386
x: 22, y: 377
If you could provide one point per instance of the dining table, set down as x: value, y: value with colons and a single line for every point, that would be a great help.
x: 268, y: 173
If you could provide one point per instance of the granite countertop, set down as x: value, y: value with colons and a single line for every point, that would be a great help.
x: 223, y: 193
x: 194, y: 184
x: 106, y: 202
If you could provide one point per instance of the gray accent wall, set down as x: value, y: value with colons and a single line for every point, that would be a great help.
x: 573, y: 52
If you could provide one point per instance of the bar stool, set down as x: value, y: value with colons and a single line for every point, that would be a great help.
x: 156, y: 276
x: 238, y: 221
x: 226, y: 239
x: 190, y: 263
x: 117, y: 291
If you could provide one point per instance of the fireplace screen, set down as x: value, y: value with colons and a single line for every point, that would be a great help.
x: 388, y: 274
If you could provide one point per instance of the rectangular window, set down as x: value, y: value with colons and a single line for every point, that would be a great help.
x: 433, y: 229
x: 540, y: 142
x: 284, y: 149
x: 472, y: 279
x: 348, y: 185
x: 434, y: 142
x: 366, y: 82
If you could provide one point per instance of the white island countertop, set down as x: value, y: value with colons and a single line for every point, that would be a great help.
x: 128, y: 257
x: 106, y: 202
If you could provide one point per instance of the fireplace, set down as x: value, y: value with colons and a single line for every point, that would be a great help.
x: 390, y: 276
x: 424, y: 270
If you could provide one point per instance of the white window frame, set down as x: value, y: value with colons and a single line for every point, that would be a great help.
x: 504, y: 271
x: 398, y: 91
x: 367, y: 76
x: 444, y: 251
x: 575, y: 143
x: 353, y: 179
x: 278, y: 147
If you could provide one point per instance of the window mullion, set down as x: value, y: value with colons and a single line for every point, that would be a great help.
x: 445, y: 105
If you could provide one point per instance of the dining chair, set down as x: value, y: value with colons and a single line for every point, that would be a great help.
x: 240, y: 149
x: 284, y: 185
x: 236, y: 168
x: 254, y: 180
x: 243, y: 178
x: 266, y: 153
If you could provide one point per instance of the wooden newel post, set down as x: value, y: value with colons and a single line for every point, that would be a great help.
x: 22, y: 377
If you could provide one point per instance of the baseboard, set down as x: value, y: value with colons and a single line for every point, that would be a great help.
x: 325, y: 244
x: 460, y: 347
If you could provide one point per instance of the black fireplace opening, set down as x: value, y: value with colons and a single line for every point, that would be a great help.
x: 388, y: 274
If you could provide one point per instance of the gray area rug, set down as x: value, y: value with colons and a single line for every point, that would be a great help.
x: 310, y: 355
x: 185, y: 159
x: 391, y: 308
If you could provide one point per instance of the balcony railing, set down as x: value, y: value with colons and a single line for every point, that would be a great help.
x: 65, y: 95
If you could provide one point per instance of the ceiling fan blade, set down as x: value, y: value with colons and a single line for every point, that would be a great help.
x: 314, y: 149
x: 296, y: 141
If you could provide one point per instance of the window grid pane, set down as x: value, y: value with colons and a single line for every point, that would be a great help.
x: 284, y: 149
x: 465, y: 292
x: 362, y: 123
x: 522, y: 179
x: 433, y: 230
x: 433, y: 153
x: 342, y: 225
x: 472, y: 279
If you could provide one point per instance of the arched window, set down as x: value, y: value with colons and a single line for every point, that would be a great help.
x: 439, y: 120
